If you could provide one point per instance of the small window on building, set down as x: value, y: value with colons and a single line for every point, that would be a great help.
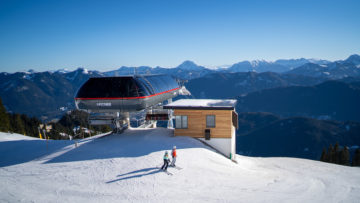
x: 181, y: 122
x: 210, y: 121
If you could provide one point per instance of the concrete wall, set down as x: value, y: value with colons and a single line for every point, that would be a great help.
x: 223, y: 145
x: 233, y: 142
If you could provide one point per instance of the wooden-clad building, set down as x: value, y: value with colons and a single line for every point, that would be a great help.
x: 211, y: 120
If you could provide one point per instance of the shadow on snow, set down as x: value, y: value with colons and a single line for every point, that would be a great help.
x: 149, y: 171
x: 21, y: 151
x: 131, y: 143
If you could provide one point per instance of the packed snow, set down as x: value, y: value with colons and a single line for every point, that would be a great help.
x: 14, y: 136
x: 123, y: 168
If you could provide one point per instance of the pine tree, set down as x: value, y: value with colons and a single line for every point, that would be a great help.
x: 336, y: 154
x: 356, y: 158
x: 331, y: 154
x: 324, y: 156
x: 4, y: 119
x: 30, y: 125
x: 17, y: 124
x: 345, y: 156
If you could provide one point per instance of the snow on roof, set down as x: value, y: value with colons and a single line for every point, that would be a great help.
x: 202, y: 104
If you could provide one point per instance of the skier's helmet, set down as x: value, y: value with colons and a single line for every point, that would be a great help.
x: 166, y: 152
x: 174, y: 147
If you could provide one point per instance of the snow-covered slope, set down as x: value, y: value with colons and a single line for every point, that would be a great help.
x: 123, y: 168
x: 14, y: 136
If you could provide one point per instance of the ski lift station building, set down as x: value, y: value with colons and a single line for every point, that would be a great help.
x: 109, y: 100
x: 213, y: 121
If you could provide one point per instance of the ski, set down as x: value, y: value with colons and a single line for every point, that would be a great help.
x: 176, y: 167
x: 167, y: 172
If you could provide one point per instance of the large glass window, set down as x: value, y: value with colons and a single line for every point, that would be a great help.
x: 108, y: 87
x: 177, y: 121
x: 181, y: 122
x: 210, y: 121
x: 184, y: 122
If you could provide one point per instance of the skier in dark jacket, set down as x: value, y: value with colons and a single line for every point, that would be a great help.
x: 166, y: 161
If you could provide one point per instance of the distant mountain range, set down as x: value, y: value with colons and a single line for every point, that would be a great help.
x: 42, y: 94
x: 268, y: 135
x: 278, y: 66
x: 308, y: 67
x: 335, y: 70
x: 187, y: 70
x: 300, y: 97
x: 51, y: 93
x: 335, y: 100
x: 230, y: 85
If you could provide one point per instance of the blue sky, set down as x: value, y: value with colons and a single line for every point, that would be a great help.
x: 104, y: 35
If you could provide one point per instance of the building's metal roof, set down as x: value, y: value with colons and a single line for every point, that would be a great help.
x: 126, y: 86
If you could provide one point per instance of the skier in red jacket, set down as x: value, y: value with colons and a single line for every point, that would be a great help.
x: 173, y: 155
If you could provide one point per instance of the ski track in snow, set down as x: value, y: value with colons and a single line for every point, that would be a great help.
x: 122, y: 168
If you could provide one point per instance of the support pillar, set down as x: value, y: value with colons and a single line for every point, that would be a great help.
x: 170, y: 112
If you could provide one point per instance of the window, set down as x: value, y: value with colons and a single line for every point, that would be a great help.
x: 210, y: 121
x: 181, y: 122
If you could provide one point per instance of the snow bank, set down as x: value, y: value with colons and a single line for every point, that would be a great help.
x: 123, y: 168
x: 14, y: 136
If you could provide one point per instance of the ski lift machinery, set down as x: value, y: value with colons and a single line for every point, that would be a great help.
x: 111, y: 100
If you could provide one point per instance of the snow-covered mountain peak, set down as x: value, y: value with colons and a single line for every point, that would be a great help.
x: 255, y: 63
x: 355, y: 59
x: 63, y: 70
x: 73, y: 74
x: 189, y: 65
x: 318, y: 61
x: 219, y: 67
x: 31, y: 71
x: 27, y: 72
x: 82, y: 70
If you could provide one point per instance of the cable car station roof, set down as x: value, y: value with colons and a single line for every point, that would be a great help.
x: 205, y: 104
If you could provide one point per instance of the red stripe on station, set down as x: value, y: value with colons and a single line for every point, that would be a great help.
x: 142, y: 97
